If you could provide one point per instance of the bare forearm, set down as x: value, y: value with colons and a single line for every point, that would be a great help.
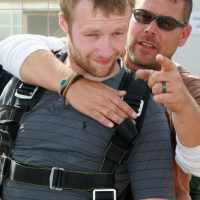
x: 15, y: 49
x: 187, y: 124
x: 177, y: 99
x: 43, y: 69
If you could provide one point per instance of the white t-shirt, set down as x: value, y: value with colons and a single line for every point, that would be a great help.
x: 15, y: 49
x: 188, y: 158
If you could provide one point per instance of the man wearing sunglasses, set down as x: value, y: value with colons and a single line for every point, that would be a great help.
x: 161, y: 29
x: 156, y: 27
x: 163, y: 22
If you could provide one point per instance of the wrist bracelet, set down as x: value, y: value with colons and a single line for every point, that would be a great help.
x: 66, y: 83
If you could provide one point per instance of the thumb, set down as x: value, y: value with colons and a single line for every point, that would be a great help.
x: 144, y: 74
x: 165, y: 63
x: 120, y: 93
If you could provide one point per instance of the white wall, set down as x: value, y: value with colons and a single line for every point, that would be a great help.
x: 189, y: 55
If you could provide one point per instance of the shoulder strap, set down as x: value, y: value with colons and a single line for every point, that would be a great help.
x: 137, y: 96
x: 25, y: 98
x: 61, y: 54
x: 121, y: 142
x: 4, y: 78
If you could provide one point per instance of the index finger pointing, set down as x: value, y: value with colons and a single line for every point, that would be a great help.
x: 165, y: 63
x: 144, y: 74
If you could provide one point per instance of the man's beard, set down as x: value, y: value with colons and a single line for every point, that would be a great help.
x: 76, y: 57
x: 135, y: 62
x: 84, y: 64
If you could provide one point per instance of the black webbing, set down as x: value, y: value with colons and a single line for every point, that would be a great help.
x: 58, y: 178
x: 121, y: 142
x: 9, y: 127
x: 119, y: 145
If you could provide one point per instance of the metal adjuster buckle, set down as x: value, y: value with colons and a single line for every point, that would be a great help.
x: 140, y: 108
x: 3, y: 164
x: 26, y: 91
x: 113, y: 191
x: 53, y: 187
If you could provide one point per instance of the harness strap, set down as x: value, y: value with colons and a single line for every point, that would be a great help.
x: 135, y: 95
x: 57, y: 178
x: 120, y: 144
x: 26, y: 96
x: 8, y: 135
x: 4, y: 78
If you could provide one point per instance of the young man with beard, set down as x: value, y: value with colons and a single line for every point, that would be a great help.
x: 57, y: 140
x: 155, y: 28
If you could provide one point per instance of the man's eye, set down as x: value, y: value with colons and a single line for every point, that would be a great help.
x: 91, y: 35
x: 118, y: 33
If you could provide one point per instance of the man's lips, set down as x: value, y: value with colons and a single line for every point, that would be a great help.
x: 103, y: 62
x: 147, y: 45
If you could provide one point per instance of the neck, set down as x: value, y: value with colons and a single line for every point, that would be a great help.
x: 94, y: 78
x: 73, y: 65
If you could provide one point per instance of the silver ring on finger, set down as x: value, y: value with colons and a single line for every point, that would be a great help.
x: 164, y: 87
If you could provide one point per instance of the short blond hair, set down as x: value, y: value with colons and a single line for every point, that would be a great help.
x: 187, y: 10
x: 107, y: 6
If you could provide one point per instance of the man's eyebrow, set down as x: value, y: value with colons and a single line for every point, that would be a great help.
x: 93, y: 28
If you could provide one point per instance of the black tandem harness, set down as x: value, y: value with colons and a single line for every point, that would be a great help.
x: 101, y: 183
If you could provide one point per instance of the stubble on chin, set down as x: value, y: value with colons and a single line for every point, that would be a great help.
x: 134, y: 63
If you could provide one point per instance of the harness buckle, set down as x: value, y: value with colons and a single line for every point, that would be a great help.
x: 4, y: 160
x: 52, y: 183
x: 140, y: 108
x: 26, y: 91
x: 108, y: 194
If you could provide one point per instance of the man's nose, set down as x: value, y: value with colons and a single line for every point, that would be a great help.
x: 106, y: 48
x: 152, y: 27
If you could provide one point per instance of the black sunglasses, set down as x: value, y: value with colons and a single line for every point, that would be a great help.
x: 163, y: 22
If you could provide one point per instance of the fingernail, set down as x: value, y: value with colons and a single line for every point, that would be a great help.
x: 123, y: 92
x: 134, y: 115
x: 110, y: 125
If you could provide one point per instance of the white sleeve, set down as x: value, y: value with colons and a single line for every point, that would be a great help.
x: 15, y: 49
x: 188, y: 158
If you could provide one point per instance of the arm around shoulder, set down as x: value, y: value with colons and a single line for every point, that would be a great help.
x: 15, y: 49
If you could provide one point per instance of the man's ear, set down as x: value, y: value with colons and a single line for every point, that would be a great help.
x: 63, y: 23
x: 184, y: 35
